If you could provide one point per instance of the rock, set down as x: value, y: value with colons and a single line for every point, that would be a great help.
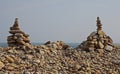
x: 108, y: 48
x: 13, y: 65
x: 77, y: 66
x: 9, y: 59
x: 101, y: 46
x: 100, y: 50
x: 16, y: 72
x: 66, y: 47
x: 1, y: 65
x: 42, y: 52
x: 10, y: 68
x: 54, y: 46
x: 26, y: 72
x: 91, y: 49
x: 49, y: 42
x: 93, y: 34
x: 43, y: 47
x: 11, y: 51
x: 28, y: 56
x: 101, y: 33
x: 36, y: 73
x: 1, y: 72
x: 37, y: 61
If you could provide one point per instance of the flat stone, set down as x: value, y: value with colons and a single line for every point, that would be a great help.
x: 11, y: 51
x: 15, y: 31
x: 101, y: 51
x: 10, y: 68
x: 9, y: 59
x: 93, y: 33
x: 91, y: 49
x: 28, y: 56
x: 1, y: 65
x: 100, y: 32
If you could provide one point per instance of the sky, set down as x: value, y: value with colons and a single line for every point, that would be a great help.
x: 65, y: 20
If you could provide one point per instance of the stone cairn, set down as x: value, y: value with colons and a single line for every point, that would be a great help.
x: 97, y: 40
x: 18, y: 37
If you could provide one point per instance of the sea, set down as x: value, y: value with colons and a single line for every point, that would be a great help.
x: 74, y: 45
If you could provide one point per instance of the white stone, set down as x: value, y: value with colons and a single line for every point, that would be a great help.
x: 108, y: 48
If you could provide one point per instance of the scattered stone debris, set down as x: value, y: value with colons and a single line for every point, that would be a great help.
x: 97, y: 40
x: 57, y: 58
x: 18, y: 37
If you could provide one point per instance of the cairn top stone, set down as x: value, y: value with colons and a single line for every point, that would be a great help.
x: 99, y: 25
x: 98, y: 20
x: 16, y: 23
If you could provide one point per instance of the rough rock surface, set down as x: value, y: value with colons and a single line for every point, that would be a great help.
x: 97, y: 40
x: 18, y: 37
x: 57, y: 58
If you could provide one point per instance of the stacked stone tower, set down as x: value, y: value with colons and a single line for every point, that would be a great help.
x: 97, y: 40
x: 18, y: 37
x: 99, y: 25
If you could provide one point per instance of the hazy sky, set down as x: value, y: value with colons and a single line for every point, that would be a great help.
x: 66, y: 20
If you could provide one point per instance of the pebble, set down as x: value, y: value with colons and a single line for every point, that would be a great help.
x: 9, y: 59
x: 10, y: 68
x: 1, y: 65
x: 44, y: 60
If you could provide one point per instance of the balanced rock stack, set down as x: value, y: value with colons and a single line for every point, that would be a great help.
x: 97, y: 40
x: 18, y: 37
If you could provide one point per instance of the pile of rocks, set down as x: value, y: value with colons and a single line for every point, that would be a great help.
x: 97, y: 40
x: 42, y: 59
x: 18, y: 37
x: 57, y: 45
x: 58, y: 57
x: 52, y: 59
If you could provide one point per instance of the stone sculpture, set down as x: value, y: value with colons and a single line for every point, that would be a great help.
x: 97, y: 39
x: 18, y: 37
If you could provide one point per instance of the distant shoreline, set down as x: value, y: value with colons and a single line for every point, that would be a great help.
x: 74, y: 45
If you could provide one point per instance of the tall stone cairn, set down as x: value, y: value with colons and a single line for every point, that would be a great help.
x: 99, y: 25
x: 97, y: 40
x: 18, y: 37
